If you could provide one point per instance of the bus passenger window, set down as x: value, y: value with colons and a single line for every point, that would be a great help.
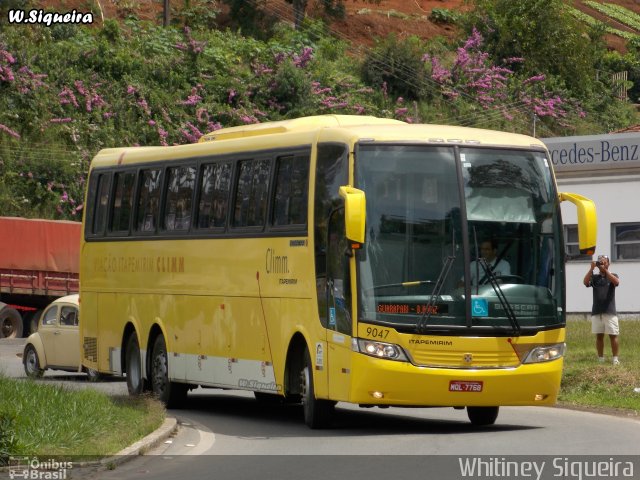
x: 179, y: 198
x: 290, y: 204
x: 122, y: 201
x: 251, y: 194
x: 214, y: 195
x: 149, y: 200
x: 102, y: 204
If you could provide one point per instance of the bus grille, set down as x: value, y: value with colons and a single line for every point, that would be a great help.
x: 90, y: 347
x: 449, y: 359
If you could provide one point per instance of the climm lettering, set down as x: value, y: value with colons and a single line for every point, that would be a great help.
x: 170, y: 264
x: 276, y: 263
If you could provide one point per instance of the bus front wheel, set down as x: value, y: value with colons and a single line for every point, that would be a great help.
x: 135, y: 382
x: 172, y: 394
x: 481, y: 416
x: 317, y: 413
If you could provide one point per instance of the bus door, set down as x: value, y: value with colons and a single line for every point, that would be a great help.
x: 339, y: 322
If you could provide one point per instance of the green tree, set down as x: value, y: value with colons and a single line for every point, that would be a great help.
x: 545, y: 35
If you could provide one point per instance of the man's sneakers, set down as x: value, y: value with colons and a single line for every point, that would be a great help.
x: 615, y: 360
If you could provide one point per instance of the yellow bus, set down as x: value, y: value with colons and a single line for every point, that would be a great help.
x: 331, y: 259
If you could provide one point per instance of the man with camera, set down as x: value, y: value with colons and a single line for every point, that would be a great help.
x: 604, y: 318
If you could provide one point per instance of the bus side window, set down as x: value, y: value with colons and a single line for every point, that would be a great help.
x: 179, y: 198
x: 148, y: 201
x: 214, y: 195
x: 122, y: 201
x: 101, y: 204
x: 331, y: 172
x: 338, y: 278
x: 252, y: 193
x: 292, y: 179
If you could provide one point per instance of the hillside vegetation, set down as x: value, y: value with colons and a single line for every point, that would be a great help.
x: 67, y: 91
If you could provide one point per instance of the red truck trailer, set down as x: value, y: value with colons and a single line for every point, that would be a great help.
x: 39, y: 262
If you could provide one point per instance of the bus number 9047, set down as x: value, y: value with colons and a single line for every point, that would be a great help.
x: 377, y: 332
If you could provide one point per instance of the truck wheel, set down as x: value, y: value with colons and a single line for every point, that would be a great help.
x: 135, y: 382
x: 172, y: 394
x: 33, y: 321
x: 10, y: 323
x: 31, y: 362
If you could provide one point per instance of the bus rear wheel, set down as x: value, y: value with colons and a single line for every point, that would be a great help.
x: 172, y: 394
x: 317, y: 413
x: 135, y: 382
x: 481, y: 416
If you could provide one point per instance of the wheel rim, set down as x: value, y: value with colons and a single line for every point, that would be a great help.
x: 304, y: 386
x: 134, y: 370
x: 160, y: 373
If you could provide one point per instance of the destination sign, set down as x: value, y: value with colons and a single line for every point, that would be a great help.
x: 411, y: 308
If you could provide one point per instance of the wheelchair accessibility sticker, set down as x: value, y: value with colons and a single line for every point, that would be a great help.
x: 479, y: 307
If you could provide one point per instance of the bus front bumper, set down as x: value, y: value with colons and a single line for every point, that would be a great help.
x: 386, y: 382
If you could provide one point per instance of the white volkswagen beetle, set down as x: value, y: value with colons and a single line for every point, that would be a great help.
x: 56, y: 344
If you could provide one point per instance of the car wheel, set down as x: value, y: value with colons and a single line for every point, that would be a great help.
x: 135, y: 382
x: 32, y: 362
x: 172, y: 394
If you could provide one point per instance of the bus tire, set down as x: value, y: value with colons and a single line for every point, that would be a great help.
x: 482, y: 416
x: 10, y: 323
x: 135, y: 382
x: 317, y: 413
x: 31, y: 362
x: 172, y: 394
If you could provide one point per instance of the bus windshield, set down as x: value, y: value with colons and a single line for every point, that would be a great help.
x: 473, y: 248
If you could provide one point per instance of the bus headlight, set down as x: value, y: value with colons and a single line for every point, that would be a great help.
x: 545, y: 353
x: 376, y: 349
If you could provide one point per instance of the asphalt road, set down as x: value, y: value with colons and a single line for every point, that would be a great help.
x: 228, y: 434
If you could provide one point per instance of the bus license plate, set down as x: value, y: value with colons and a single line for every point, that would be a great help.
x: 464, y: 386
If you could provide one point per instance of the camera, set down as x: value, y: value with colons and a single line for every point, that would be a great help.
x: 598, y: 263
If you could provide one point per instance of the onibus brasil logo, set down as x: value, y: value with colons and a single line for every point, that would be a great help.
x: 36, y: 469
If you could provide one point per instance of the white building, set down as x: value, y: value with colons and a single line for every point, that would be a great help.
x: 606, y: 169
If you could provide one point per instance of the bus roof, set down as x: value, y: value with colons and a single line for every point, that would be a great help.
x: 296, y: 124
x: 321, y: 128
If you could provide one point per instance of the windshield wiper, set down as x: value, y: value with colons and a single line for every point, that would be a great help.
x: 415, y: 283
x: 501, y: 296
x: 444, y: 272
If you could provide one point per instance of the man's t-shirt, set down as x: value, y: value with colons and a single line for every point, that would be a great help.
x: 604, y: 295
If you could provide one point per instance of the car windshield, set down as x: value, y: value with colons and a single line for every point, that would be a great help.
x: 412, y: 273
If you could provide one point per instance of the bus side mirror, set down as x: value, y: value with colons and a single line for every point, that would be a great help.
x: 587, y: 221
x: 354, y: 213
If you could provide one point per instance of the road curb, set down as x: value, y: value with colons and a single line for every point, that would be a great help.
x: 168, y: 428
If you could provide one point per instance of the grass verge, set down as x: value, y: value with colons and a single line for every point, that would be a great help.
x: 50, y: 420
x: 587, y: 383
